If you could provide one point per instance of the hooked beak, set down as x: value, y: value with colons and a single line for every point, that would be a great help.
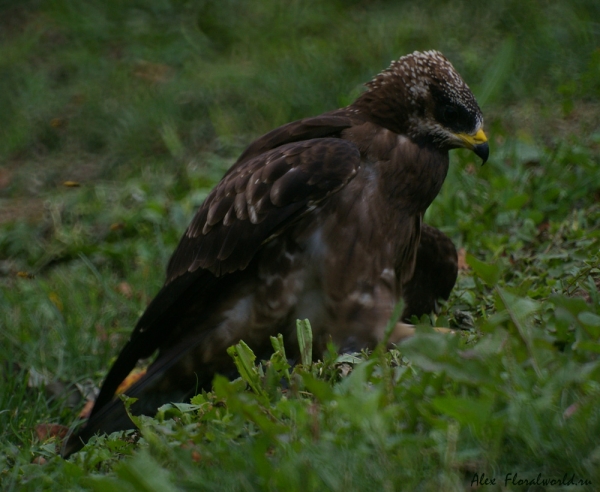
x: 478, y: 143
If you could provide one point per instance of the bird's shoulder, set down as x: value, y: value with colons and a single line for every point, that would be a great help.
x: 279, y: 177
x: 327, y: 124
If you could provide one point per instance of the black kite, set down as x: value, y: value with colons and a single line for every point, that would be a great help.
x: 320, y: 219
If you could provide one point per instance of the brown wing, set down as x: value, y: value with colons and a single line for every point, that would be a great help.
x: 257, y: 199
x: 254, y: 202
x: 434, y: 276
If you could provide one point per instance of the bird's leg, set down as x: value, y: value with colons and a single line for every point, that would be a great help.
x: 400, y: 332
x: 440, y: 329
x: 403, y: 331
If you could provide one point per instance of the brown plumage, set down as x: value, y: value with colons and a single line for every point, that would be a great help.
x: 319, y: 219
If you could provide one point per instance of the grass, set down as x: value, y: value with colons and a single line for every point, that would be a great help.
x: 145, y: 105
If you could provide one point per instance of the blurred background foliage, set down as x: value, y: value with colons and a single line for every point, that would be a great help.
x: 105, y: 87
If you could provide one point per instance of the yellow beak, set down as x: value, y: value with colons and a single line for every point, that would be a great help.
x: 478, y: 143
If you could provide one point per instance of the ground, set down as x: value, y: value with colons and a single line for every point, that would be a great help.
x: 144, y: 107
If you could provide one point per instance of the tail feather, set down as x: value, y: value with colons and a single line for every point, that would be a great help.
x: 150, y: 332
x: 112, y: 416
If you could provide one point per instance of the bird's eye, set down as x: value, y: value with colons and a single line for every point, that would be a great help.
x: 450, y: 114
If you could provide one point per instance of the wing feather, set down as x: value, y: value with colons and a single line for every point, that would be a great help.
x: 276, y: 185
x: 218, y: 210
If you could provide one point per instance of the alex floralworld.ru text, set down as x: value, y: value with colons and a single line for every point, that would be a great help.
x: 513, y: 479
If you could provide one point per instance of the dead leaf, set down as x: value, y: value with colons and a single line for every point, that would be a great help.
x: 462, y: 259
x: 130, y: 380
x: 125, y: 289
x: 55, y: 299
x: 86, y: 410
x: 58, y: 122
x: 153, y: 72
x: 46, y: 431
x: 117, y: 226
x: 544, y: 226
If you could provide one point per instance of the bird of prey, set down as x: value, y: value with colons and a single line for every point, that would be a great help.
x: 320, y: 219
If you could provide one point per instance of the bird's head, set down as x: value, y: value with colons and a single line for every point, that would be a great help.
x: 422, y: 96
